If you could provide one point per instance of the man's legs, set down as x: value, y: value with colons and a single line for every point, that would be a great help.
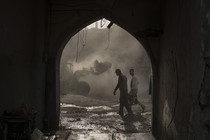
x: 133, y: 96
x: 124, y: 103
x: 128, y: 107
x: 121, y: 108
x: 142, y: 106
x: 136, y: 101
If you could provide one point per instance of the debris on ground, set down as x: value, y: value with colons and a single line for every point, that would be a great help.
x: 103, y: 123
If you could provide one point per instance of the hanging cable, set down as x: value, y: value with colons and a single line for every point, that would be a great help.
x: 83, y: 37
x: 77, y: 52
x: 83, y: 40
x: 108, y: 40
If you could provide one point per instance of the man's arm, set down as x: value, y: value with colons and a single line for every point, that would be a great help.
x: 117, y: 86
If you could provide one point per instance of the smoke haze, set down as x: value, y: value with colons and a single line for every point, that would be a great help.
x: 92, y: 56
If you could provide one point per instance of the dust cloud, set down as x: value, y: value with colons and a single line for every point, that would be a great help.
x: 91, y: 57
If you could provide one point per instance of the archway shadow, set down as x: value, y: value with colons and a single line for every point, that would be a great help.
x: 136, y: 123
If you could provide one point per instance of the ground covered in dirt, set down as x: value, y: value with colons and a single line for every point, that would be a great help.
x: 85, y: 118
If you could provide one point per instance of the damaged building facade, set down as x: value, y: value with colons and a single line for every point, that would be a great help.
x: 175, y: 35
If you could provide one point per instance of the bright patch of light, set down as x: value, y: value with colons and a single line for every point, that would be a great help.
x: 100, y: 24
x: 92, y: 108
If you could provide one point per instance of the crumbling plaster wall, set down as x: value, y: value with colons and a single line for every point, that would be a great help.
x: 180, y: 71
x: 22, y: 40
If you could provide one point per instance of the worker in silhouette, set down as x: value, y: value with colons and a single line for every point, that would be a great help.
x: 122, y: 86
x: 133, y: 99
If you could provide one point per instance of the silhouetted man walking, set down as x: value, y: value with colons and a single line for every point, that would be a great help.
x: 134, y: 90
x: 122, y: 86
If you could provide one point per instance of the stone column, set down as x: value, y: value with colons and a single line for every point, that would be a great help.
x: 205, y: 86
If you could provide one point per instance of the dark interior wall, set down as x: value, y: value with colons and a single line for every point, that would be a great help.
x: 204, y: 96
x: 180, y: 71
x: 22, y: 40
x: 30, y: 62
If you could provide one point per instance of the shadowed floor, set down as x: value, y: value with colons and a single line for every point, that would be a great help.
x: 101, y: 122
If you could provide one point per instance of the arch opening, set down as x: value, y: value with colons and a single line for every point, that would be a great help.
x: 90, y: 59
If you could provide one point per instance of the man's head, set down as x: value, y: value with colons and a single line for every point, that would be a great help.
x: 118, y: 72
x: 132, y: 72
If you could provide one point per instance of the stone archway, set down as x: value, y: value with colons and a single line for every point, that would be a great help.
x: 57, y: 82
x: 64, y: 23
x: 112, y: 46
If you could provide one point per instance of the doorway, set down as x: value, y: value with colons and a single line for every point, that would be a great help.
x: 87, y: 81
